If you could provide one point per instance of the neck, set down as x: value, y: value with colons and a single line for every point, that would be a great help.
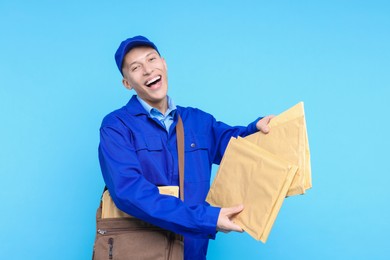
x: 161, y: 106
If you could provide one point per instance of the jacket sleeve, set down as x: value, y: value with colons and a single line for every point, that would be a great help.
x: 135, y: 195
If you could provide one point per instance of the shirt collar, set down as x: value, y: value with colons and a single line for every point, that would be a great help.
x: 155, y: 112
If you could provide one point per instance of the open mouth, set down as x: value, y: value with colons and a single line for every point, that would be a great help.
x: 153, y: 81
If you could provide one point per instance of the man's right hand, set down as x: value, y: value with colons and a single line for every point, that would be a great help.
x: 224, y: 223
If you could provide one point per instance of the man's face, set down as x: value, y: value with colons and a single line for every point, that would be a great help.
x: 146, y: 72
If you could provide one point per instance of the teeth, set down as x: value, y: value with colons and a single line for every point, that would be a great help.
x: 153, y: 80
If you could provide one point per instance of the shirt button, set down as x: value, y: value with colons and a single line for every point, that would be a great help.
x: 193, y: 145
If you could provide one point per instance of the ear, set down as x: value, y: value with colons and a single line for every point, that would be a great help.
x: 165, y: 64
x: 126, y: 83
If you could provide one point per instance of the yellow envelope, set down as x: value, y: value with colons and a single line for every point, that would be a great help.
x: 288, y: 140
x: 256, y: 178
x: 109, y: 210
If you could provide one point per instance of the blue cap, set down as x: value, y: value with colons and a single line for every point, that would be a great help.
x: 127, y: 45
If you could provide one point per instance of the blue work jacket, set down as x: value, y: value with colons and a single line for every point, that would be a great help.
x: 137, y: 154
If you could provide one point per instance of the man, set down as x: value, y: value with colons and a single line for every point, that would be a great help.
x: 137, y: 152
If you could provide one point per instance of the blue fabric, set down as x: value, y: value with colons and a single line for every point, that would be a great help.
x: 127, y: 45
x: 137, y: 154
x: 165, y: 119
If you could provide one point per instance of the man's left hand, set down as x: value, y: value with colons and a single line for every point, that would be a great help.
x: 262, y: 124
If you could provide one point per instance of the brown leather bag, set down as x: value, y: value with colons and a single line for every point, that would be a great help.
x: 132, y: 238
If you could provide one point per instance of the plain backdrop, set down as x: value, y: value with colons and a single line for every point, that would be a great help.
x: 234, y: 59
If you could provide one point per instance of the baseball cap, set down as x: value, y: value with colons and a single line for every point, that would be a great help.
x: 127, y: 45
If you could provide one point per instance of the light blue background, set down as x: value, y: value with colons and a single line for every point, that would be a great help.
x: 234, y: 59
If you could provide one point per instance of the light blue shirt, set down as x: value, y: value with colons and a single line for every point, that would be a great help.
x: 166, y: 119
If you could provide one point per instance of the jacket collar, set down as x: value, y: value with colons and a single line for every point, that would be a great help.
x: 135, y: 108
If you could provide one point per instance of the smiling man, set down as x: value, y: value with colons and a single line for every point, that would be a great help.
x: 138, y: 153
x: 146, y: 72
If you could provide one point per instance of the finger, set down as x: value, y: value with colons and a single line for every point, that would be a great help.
x: 269, y: 118
x: 235, y: 227
x: 231, y: 226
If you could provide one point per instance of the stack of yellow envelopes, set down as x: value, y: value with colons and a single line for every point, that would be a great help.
x: 260, y: 170
x: 288, y: 140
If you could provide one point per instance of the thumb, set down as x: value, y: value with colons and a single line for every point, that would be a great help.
x: 234, y: 210
x: 265, y: 129
x: 263, y: 124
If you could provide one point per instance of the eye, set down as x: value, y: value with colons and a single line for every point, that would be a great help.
x: 153, y: 58
x: 134, y: 68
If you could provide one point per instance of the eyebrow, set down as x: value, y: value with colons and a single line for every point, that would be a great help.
x: 147, y: 55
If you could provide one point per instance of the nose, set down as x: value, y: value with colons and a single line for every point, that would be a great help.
x: 148, y: 69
